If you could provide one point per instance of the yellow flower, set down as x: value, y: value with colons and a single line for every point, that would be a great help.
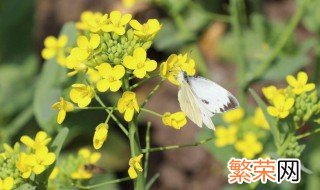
x: 54, y: 47
x: 300, y: 84
x: 259, y: 119
x: 139, y: 63
x: 249, y: 146
x: 89, y: 157
x: 81, y: 173
x: 7, y: 183
x: 93, y: 75
x: 43, y: 158
x: 85, y: 46
x: 81, y: 94
x: 76, y: 62
x: 233, y: 116
x: 135, y: 166
x: 176, y: 120
x: 171, y: 68
x: 269, y: 92
x: 117, y: 23
x: 147, y: 30
x: 92, y: 21
x: 40, y: 140
x: 128, y: 3
x: 100, y: 135
x: 127, y: 104
x: 63, y: 107
x: 281, y: 106
x: 54, y: 173
x: 25, y: 163
x: 111, y: 77
x: 226, y: 136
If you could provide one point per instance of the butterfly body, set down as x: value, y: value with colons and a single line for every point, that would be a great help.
x: 201, y: 98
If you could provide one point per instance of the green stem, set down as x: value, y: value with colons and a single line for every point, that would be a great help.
x: 93, y: 108
x: 308, y: 134
x: 146, y: 160
x: 151, y: 112
x: 125, y: 131
x: 164, y: 148
x: 139, y: 183
x: 152, y: 180
x: 101, y: 184
x: 281, y: 42
x: 236, y: 26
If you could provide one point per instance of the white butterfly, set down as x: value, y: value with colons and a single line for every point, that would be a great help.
x: 201, y: 98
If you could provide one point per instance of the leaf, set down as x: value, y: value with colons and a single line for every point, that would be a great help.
x: 287, y: 64
x: 271, y: 120
x: 17, y: 86
x: 50, y: 85
x: 169, y: 38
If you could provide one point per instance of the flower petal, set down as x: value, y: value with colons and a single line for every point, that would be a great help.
x: 132, y: 173
x: 302, y: 78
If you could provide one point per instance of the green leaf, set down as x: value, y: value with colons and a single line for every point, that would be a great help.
x: 50, y: 85
x: 287, y: 64
x: 271, y: 120
x: 169, y: 39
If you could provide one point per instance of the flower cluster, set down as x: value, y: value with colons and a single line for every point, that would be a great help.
x: 109, y: 54
x: 74, y: 169
x: 241, y: 132
x: 293, y: 107
x: 17, y: 166
x: 298, y: 100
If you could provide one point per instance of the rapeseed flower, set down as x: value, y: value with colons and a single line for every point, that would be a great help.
x: 89, y: 157
x: 92, y: 21
x: 127, y: 104
x: 139, y: 63
x: 135, y: 166
x: 41, y: 140
x: 55, y: 47
x: 86, y: 46
x: 100, y: 135
x: 110, y: 77
x: 63, y: 106
x: 43, y: 158
x: 281, y: 106
x: 117, y: 23
x: 233, y: 116
x: 226, y: 136
x: 249, y: 146
x: 146, y: 31
x: 299, y: 85
x: 25, y: 164
x: 81, y: 94
x: 6, y: 183
x: 176, y: 120
x: 171, y: 68
x: 81, y: 173
x: 259, y: 119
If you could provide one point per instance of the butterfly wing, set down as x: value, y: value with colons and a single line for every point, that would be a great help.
x: 188, y: 103
x: 214, y: 97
